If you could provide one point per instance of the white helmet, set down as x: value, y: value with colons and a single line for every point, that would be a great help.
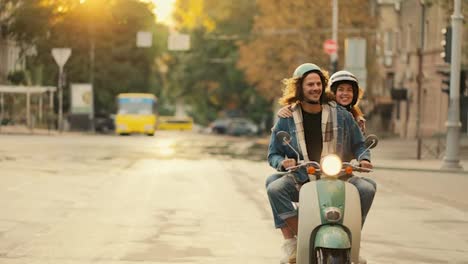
x: 345, y: 77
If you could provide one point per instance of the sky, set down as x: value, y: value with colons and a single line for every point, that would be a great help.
x: 163, y: 10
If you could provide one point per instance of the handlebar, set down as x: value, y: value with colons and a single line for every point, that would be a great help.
x: 304, y: 164
x: 316, y: 165
x: 356, y: 167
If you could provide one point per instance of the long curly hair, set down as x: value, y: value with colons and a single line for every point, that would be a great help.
x: 293, y: 92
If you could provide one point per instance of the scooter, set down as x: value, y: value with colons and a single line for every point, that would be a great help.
x: 329, y: 228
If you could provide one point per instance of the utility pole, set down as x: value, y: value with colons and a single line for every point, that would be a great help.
x: 334, y: 56
x: 92, y: 48
x: 452, y: 158
x: 420, y: 78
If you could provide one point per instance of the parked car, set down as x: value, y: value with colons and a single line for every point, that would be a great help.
x: 242, y: 127
x: 104, y: 123
x: 219, y: 126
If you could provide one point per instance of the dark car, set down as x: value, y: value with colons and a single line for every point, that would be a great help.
x: 219, y: 126
x: 104, y: 123
x: 242, y: 127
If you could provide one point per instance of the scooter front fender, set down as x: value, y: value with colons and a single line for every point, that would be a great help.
x: 332, y: 237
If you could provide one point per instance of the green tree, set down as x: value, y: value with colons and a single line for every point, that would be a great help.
x: 102, y: 36
x: 206, y: 76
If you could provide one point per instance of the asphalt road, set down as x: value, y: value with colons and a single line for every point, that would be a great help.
x: 191, y: 198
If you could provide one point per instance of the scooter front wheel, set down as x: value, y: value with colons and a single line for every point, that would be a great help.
x: 333, y: 256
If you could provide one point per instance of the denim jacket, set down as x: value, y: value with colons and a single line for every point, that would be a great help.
x: 349, y: 142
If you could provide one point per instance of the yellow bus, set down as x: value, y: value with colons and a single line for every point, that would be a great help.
x: 136, y: 113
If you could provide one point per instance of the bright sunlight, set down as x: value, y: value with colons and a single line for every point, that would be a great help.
x: 164, y: 10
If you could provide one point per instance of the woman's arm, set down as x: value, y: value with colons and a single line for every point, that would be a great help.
x: 357, y: 139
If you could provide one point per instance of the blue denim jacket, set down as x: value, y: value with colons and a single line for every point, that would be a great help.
x: 350, y: 142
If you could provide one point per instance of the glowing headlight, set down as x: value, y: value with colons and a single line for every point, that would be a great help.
x: 122, y: 127
x: 331, y: 165
x: 333, y: 214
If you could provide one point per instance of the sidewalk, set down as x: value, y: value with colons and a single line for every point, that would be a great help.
x: 396, y: 153
x: 23, y: 130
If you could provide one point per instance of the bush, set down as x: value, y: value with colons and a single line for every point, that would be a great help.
x: 17, y: 77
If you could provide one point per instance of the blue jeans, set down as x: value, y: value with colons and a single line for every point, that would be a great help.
x: 282, y: 191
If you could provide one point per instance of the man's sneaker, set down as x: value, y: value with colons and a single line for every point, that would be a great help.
x: 362, y: 260
x: 289, y: 248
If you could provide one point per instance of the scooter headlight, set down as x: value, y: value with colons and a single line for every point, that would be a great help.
x: 333, y: 214
x: 331, y: 165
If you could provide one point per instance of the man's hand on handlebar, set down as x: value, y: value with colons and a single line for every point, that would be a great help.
x: 366, y: 164
x: 287, y: 163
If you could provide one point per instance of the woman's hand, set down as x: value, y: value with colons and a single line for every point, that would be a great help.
x: 362, y: 125
x: 285, y: 112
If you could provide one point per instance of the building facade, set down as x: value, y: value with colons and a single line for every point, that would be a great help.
x: 402, y: 31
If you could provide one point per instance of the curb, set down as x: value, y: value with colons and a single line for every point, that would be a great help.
x: 422, y: 170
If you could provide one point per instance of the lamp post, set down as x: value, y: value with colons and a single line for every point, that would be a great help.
x: 452, y: 158
x: 334, y: 56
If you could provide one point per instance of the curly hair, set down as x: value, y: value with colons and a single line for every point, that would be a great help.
x: 293, y: 93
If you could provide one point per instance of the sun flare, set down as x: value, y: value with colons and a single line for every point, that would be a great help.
x: 163, y: 11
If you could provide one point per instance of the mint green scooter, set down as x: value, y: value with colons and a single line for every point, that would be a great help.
x: 329, y: 210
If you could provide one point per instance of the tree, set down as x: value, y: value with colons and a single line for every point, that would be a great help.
x: 280, y: 43
x: 209, y: 70
x: 102, y: 35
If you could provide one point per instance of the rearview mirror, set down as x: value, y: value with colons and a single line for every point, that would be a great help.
x: 284, y: 137
x: 371, y: 141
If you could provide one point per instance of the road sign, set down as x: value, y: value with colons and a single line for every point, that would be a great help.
x: 179, y: 41
x: 144, y: 39
x: 355, y: 59
x: 330, y: 46
x: 81, y: 98
x: 61, y: 55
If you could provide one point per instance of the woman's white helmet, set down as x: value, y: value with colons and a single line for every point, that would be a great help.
x: 345, y: 77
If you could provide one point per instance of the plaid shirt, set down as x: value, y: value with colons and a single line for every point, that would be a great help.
x: 329, y: 129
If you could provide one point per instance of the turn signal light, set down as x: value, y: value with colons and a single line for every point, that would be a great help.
x: 310, y: 170
x: 349, y: 170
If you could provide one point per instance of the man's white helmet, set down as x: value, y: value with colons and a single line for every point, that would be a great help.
x: 345, y: 77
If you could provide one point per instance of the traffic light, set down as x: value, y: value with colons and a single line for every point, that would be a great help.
x: 463, y: 91
x: 447, y: 44
x: 445, y: 80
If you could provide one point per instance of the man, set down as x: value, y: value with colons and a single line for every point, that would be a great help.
x: 317, y: 128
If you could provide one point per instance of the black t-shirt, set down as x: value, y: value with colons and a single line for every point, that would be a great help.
x: 313, y: 134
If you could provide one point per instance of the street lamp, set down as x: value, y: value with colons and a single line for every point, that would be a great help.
x: 334, y: 56
x: 452, y: 154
